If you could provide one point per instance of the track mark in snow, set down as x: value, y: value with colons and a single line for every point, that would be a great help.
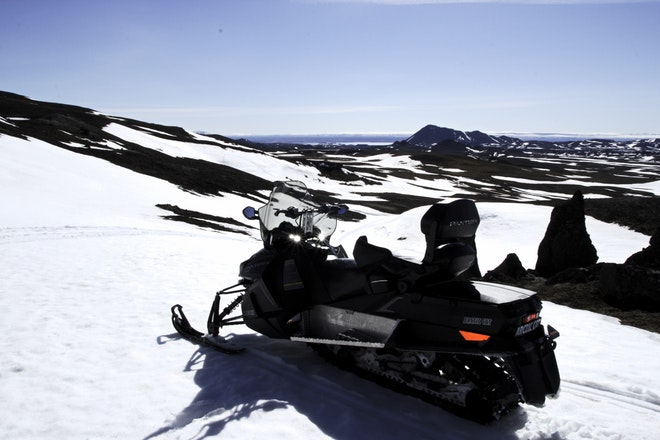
x: 41, y: 233
x: 597, y: 392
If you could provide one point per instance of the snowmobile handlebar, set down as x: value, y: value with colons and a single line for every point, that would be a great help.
x: 333, y: 211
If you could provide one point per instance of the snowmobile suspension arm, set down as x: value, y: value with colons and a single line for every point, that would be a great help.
x: 219, y: 319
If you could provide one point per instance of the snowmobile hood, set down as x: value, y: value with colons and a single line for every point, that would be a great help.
x: 499, y: 293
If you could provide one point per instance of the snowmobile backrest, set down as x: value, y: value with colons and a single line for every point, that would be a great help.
x: 453, y: 259
x: 444, y: 223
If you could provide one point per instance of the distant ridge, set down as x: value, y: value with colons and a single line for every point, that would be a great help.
x: 88, y: 132
x: 321, y: 139
x: 449, y: 141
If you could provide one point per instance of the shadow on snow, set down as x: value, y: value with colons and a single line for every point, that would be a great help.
x: 280, y: 375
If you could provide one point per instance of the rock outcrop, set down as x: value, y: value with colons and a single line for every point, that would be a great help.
x: 636, y: 283
x: 630, y: 287
x: 509, y: 271
x: 648, y: 257
x: 566, y: 242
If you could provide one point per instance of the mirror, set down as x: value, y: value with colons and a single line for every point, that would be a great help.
x: 335, y: 211
x: 250, y: 213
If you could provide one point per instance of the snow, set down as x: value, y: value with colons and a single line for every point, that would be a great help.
x: 263, y: 165
x: 89, y: 270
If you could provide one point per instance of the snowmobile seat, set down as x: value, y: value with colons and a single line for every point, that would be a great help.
x: 369, y: 256
x: 444, y: 223
x: 383, y: 269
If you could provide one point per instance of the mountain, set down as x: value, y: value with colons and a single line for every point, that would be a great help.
x: 431, y: 135
x: 448, y: 140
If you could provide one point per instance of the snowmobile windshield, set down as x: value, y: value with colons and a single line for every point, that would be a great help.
x: 290, y: 205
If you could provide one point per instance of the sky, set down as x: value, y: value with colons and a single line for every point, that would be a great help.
x: 343, y: 66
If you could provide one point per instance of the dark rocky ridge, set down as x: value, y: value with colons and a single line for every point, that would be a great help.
x: 81, y: 130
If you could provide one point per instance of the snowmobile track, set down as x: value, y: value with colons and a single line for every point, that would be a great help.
x: 476, y: 410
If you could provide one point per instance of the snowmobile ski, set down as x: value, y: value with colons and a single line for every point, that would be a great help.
x: 183, y: 327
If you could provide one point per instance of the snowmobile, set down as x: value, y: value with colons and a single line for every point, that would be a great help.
x: 475, y: 348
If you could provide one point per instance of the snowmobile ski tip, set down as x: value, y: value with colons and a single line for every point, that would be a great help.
x: 188, y: 332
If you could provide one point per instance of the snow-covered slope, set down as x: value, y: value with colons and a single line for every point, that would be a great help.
x: 89, y: 270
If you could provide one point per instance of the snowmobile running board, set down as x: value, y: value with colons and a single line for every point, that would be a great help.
x: 338, y: 342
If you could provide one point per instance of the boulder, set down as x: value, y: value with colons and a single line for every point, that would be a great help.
x: 572, y: 275
x: 566, y: 242
x: 636, y: 283
x: 648, y: 257
x: 510, y: 270
x: 630, y: 287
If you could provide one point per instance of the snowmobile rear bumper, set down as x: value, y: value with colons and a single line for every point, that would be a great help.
x: 537, y: 372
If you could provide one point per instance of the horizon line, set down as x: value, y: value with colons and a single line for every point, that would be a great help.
x: 527, y: 134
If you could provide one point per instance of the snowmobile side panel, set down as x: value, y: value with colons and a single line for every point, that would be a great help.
x: 253, y: 267
x: 341, y: 278
x: 325, y: 322
x: 261, y: 313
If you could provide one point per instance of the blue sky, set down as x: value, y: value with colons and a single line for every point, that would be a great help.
x: 343, y: 66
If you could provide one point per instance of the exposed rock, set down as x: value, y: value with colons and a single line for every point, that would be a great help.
x: 636, y: 283
x: 510, y: 270
x: 648, y: 257
x: 630, y: 287
x: 566, y: 242
x: 573, y: 275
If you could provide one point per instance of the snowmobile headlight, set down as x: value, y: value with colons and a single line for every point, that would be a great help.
x: 295, y: 238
